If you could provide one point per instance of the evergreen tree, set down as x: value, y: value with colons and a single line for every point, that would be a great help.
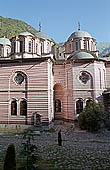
x: 10, y: 158
x: 92, y: 117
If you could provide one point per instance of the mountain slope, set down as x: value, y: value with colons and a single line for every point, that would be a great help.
x: 104, y: 48
x: 10, y: 27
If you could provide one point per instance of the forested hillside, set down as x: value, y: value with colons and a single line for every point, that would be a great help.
x: 10, y: 27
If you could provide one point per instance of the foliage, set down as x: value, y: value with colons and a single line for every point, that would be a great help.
x: 29, y: 151
x: 92, y: 117
x: 107, y: 121
x: 11, y: 27
x: 10, y: 158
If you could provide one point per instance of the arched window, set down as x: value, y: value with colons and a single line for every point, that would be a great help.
x: 7, y: 52
x: 48, y: 45
x: 100, y: 81
x: 30, y: 46
x: 79, y: 106
x: 13, y: 107
x: 76, y: 45
x: 21, y: 46
x: 36, y: 48
x: 104, y: 78
x: 23, y: 107
x: 57, y: 105
x: 42, y: 48
x: 88, y: 102
x: 14, y: 47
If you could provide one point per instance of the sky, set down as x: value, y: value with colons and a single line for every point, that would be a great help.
x: 59, y: 18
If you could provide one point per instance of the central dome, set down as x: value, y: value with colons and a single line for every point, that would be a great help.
x: 79, y: 34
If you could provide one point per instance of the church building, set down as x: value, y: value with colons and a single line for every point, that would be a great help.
x: 38, y: 87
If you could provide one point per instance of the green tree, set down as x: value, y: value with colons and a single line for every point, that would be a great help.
x: 92, y: 117
x: 29, y: 151
x: 10, y: 158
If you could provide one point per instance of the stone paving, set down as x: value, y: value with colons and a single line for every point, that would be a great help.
x: 80, y: 150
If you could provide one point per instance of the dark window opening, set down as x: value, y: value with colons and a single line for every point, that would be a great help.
x: 57, y: 105
x: 23, y: 108
x: 42, y: 49
x: 14, y: 107
x: 76, y: 45
x: 14, y: 47
x: 30, y: 46
x: 7, y: 52
x: 36, y: 48
x: 79, y: 106
x: 21, y: 46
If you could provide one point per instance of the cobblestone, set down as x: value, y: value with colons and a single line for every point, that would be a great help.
x: 80, y: 150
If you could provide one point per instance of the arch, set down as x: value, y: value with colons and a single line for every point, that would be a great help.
x: 58, y: 101
x: 88, y: 101
x: 79, y: 106
x: 23, y: 107
x: 13, y: 103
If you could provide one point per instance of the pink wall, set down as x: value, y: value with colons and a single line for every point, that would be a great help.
x: 34, y: 90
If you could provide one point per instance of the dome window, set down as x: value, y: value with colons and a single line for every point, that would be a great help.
x: 21, y: 46
x: 30, y: 46
x: 76, y: 45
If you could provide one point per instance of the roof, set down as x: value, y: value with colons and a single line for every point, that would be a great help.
x: 5, y: 41
x: 26, y: 34
x: 79, y: 34
x: 105, y: 58
x: 82, y: 55
x: 43, y: 36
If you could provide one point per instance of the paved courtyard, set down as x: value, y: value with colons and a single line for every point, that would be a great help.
x: 80, y: 150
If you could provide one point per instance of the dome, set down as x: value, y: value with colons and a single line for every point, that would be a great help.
x: 82, y: 55
x: 5, y: 41
x: 43, y: 36
x: 26, y: 34
x: 79, y: 34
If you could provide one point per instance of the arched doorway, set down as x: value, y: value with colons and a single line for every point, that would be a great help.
x: 58, y: 101
x: 57, y: 105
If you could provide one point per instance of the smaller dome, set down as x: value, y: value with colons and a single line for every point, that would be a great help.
x: 82, y: 55
x: 5, y: 41
x: 79, y: 34
x: 26, y: 34
x: 43, y: 36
